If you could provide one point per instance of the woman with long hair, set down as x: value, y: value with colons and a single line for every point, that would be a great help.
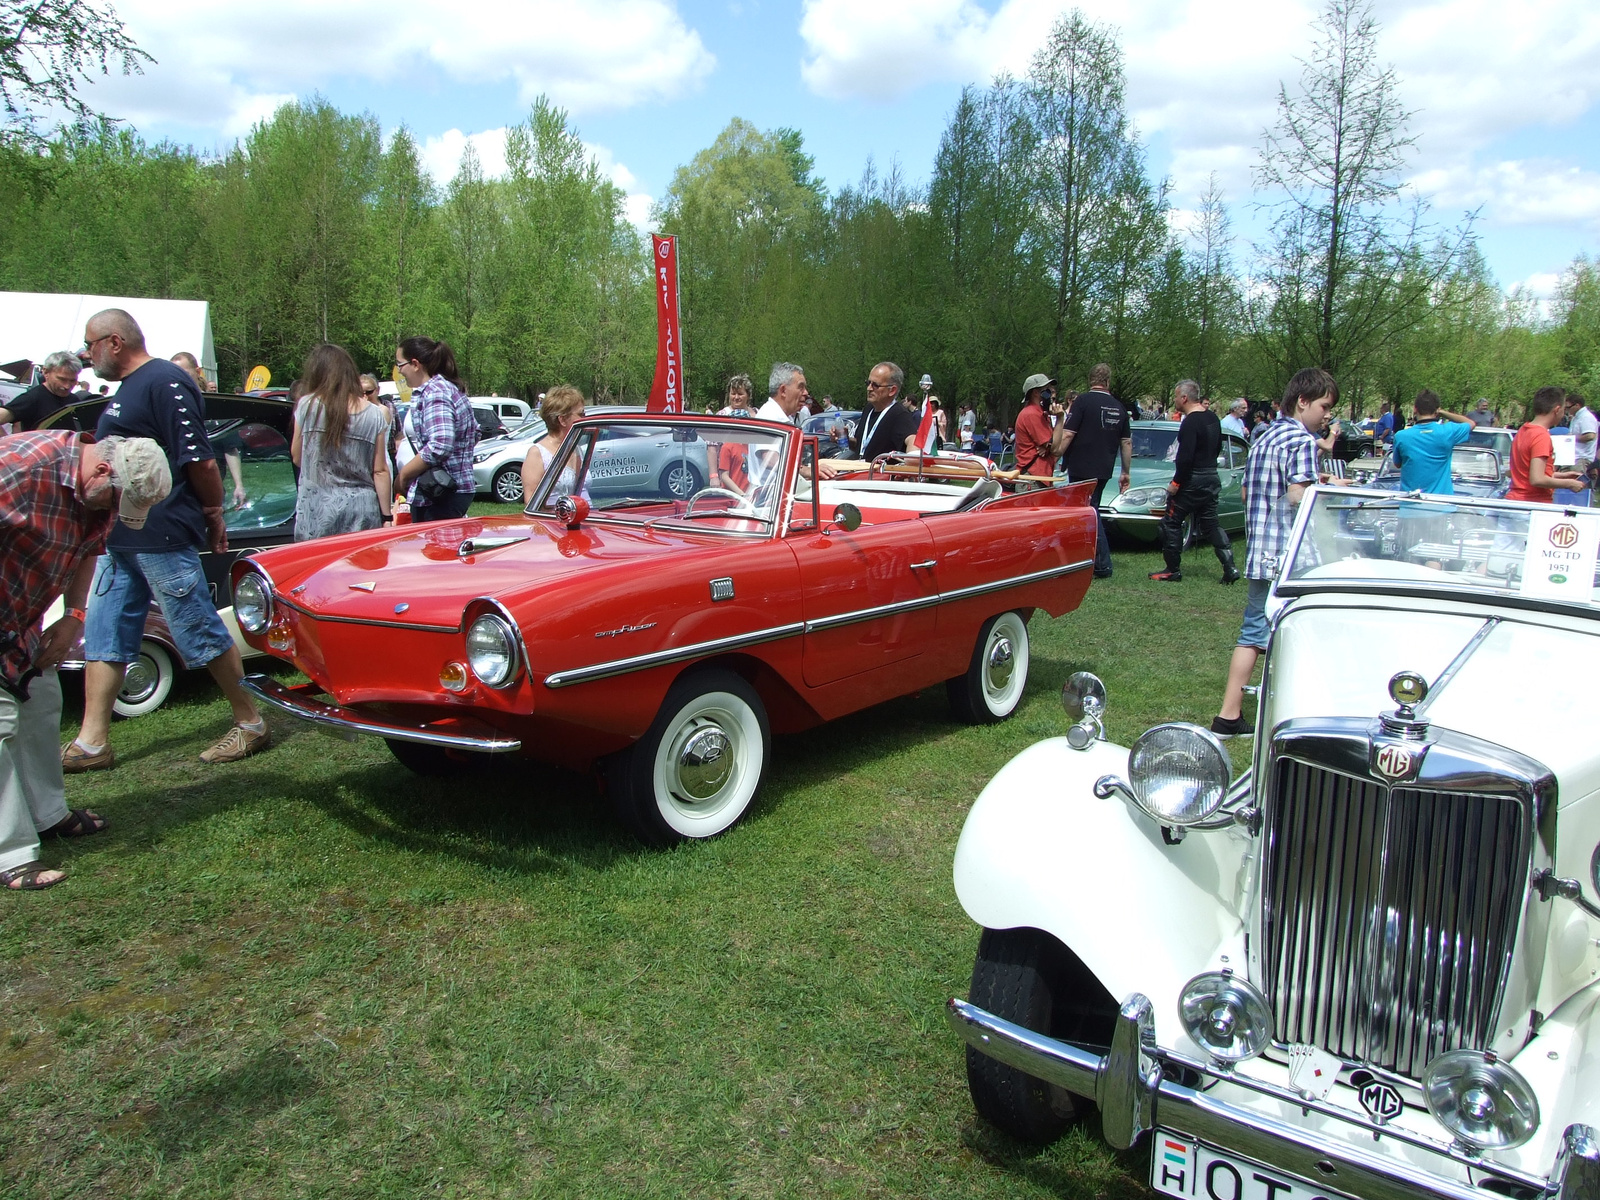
x: 438, y: 481
x: 341, y: 445
x: 560, y: 407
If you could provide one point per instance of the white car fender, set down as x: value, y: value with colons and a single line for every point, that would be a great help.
x: 1040, y: 850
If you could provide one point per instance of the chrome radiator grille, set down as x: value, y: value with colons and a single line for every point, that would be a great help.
x: 1389, y: 916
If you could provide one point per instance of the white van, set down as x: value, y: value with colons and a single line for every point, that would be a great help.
x: 510, y: 411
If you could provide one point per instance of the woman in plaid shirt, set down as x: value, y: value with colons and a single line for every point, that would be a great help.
x: 446, y: 430
x: 1282, y: 464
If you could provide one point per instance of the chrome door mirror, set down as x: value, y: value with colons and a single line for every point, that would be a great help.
x: 846, y: 516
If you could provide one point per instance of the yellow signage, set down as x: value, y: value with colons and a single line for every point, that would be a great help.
x: 405, y: 388
x: 258, y: 378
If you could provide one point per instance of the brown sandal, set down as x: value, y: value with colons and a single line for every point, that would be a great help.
x: 80, y: 822
x: 26, y: 878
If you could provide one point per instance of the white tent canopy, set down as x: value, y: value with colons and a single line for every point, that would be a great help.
x: 33, y: 324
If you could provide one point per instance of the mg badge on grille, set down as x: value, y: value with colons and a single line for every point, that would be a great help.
x: 1382, y: 1101
x: 1396, y: 761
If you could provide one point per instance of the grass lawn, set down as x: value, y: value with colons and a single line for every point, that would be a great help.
x: 314, y: 974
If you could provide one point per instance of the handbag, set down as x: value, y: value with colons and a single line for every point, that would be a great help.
x: 435, y: 484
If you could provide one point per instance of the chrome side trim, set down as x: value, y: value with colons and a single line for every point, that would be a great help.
x: 660, y: 658
x: 347, y: 722
x: 1307, y: 1153
x: 315, y: 616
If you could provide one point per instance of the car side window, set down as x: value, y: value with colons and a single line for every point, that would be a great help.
x: 258, y: 484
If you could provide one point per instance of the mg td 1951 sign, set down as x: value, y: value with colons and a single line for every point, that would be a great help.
x: 1562, y: 549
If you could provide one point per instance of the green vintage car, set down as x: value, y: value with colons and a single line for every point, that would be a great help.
x: 1133, y: 514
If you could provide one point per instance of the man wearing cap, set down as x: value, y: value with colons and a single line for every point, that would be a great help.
x: 1039, y: 440
x: 158, y: 399
x: 1096, y: 431
x: 57, y: 490
x: 885, y: 427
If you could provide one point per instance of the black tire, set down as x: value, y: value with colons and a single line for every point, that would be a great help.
x: 435, y: 761
x: 661, y: 796
x: 997, y: 675
x: 147, y: 682
x: 506, y: 486
x: 1031, y: 979
x: 681, y: 480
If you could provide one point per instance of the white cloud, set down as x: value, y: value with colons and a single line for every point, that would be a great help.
x: 1519, y: 192
x: 223, y: 66
x: 1205, y: 74
x: 441, y: 155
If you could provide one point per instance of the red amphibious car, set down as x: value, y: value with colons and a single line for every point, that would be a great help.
x: 665, y: 637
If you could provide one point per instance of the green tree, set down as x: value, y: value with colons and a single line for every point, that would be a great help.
x: 1577, y: 316
x: 48, y: 50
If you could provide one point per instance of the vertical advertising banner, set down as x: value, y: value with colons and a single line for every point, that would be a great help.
x: 666, y: 394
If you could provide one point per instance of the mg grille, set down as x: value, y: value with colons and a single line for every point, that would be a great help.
x: 1389, y: 915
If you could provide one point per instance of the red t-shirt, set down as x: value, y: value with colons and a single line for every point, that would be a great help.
x: 1532, y: 441
x: 1033, y: 441
x: 732, y: 464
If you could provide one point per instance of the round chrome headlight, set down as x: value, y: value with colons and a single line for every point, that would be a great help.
x: 1226, y: 1016
x: 252, y: 603
x: 1179, y: 772
x: 1480, y: 1100
x: 492, y: 650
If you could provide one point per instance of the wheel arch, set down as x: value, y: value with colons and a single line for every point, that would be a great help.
x: 787, y: 710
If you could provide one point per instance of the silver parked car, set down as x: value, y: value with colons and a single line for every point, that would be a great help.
x: 497, y: 462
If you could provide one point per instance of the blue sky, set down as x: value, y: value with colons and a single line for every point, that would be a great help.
x: 1507, y: 100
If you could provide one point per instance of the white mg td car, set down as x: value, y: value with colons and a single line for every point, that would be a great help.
x: 1366, y: 967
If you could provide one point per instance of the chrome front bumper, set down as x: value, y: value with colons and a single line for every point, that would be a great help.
x: 301, y: 703
x: 1133, y: 1096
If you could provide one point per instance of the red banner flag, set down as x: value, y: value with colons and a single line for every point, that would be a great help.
x: 666, y: 394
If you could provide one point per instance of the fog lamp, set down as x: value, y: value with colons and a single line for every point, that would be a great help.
x: 453, y: 677
x: 1179, y: 772
x: 492, y: 651
x: 1482, y: 1101
x: 252, y: 603
x: 1225, y: 1016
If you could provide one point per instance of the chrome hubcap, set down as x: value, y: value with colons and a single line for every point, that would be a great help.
x: 705, y: 763
x: 1002, y: 661
x: 139, y: 681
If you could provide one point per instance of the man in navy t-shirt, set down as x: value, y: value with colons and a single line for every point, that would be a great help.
x: 161, y: 560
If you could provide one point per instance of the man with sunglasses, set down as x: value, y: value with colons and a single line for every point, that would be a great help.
x: 886, y: 427
x: 161, y: 559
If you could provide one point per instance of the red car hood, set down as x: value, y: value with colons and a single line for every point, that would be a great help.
x: 422, y: 567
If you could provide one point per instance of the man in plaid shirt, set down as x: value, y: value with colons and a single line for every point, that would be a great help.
x: 56, y: 494
x: 1282, y: 464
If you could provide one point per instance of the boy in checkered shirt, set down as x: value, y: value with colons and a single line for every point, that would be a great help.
x: 1282, y: 465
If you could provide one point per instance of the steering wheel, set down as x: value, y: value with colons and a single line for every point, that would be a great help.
x: 741, y: 501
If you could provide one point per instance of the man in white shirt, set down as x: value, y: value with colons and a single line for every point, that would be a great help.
x: 1234, y: 421
x: 1585, y: 426
x: 787, y: 396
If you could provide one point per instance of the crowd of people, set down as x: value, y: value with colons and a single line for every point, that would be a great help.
x: 111, y: 521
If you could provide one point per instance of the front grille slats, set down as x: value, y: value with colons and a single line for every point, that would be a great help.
x: 1388, y: 916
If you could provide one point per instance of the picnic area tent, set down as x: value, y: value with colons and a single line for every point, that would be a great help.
x: 32, y: 324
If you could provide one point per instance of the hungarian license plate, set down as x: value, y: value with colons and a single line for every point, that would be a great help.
x: 1181, y: 1166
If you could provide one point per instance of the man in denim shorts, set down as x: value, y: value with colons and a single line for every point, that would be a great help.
x: 1282, y: 464
x: 159, y: 400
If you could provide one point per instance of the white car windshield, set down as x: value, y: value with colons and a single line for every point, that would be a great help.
x: 718, y: 476
x: 1454, y: 544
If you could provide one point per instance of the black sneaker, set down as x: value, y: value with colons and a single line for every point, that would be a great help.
x: 1227, y: 727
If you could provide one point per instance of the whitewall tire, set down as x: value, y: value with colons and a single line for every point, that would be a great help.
x: 147, y: 682
x: 997, y: 675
